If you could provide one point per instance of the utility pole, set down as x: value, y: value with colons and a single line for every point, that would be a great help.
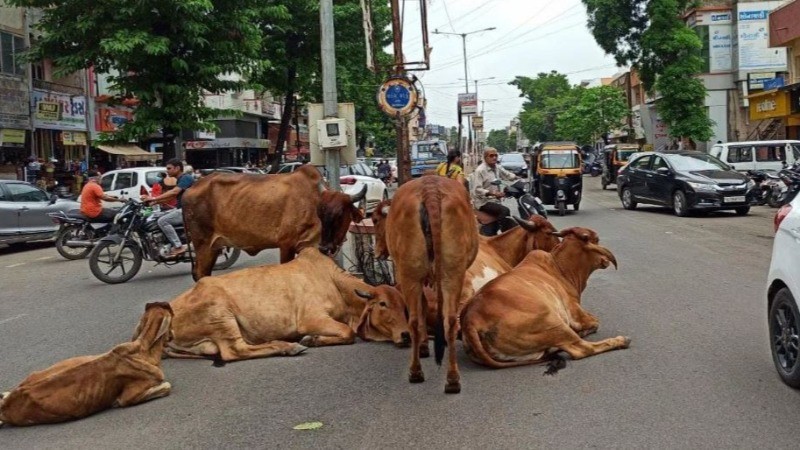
x: 401, y: 122
x: 329, y: 97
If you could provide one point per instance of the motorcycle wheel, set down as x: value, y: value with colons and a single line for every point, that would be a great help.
x: 69, y: 233
x: 108, y: 270
x: 774, y: 201
x: 562, y: 208
x: 227, y: 257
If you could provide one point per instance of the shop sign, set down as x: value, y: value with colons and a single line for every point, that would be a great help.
x: 73, y: 138
x: 468, y: 103
x: 227, y: 143
x: 397, y: 95
x: 110, y: 120
x: 56, y: 111
x: 12, y: 136
x: 477, y: 122
x: 753, y: 37
x: 755, y: 81
x: 769, y: 105
x: 720, y: 48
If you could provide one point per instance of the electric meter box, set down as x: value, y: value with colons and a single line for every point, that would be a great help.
x: 332, y: 133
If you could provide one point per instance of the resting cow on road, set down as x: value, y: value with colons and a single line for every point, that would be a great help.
x: 78, y: 387
x: 525, y: 315
x: 256, y: 212
x: 261, y: 311
x: 428, y: 232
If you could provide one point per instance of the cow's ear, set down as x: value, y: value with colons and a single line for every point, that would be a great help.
x: 362, y: 329
x: 164, y: 328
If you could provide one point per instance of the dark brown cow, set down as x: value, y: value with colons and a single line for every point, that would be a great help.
x: 527, y: 314
x: 77, y: 387
x: 256, y: 212
x: 427, y: 231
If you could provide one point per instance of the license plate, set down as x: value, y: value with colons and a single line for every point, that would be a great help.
x: 737, y: 199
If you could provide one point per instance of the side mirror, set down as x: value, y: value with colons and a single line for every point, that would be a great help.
x: 663, y: 171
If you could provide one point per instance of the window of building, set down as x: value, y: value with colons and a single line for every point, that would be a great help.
x: 10, y: 49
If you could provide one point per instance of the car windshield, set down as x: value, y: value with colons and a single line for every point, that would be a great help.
x: 695, y: 162
x: 513, y: 158
x: 430, y: 151
x: 560, y: 160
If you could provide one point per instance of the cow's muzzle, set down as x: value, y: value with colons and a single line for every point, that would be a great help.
x: 406, y: 340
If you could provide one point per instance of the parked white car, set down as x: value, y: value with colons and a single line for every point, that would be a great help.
x: 783, y: 292
x: 130, y: 182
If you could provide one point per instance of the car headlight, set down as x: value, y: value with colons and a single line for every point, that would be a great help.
x: 702, y: 186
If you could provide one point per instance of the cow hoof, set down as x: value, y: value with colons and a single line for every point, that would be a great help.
x: 416, y: 377
x: 297, y: 349
x: 452, y: 388
x: 307, y: 341
x: 626, y: 342
x: 424, y: 352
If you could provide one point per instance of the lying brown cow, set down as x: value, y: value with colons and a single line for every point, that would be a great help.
x: 78, y: 387
x: 255, y: 212
x: 527, y: 314
x: 428, y: 234
x: 261, y: 311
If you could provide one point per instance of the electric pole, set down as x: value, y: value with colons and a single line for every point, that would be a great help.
x: 329, y: 97
x: 401, y: 122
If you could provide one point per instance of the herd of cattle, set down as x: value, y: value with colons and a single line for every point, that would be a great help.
x: 514, y: 299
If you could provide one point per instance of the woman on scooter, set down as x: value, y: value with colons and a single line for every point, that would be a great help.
x: 452, y: 168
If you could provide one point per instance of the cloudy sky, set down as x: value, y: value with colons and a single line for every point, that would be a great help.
x: 532, y: 36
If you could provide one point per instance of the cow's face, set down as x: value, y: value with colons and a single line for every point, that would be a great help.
x: 384, y: 317
x: 336, y: 211
x: 584, y: 246
x: 379, y: 222
x: 541, y: 234
x: 155, y: 324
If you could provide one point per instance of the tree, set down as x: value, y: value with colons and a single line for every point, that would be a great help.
x: 511, y: 143
x: 546, y: 96
x: 499, y: 140
x: 651, y: 36
x: 164, y: 53
x: 597, y: 111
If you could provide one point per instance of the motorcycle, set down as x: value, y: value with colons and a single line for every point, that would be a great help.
x: 527, y: 206
x: 765, y: 185
x: 787, y: 193
x: 77, y: 234
x: 118, y: 257
x: 592, y: 165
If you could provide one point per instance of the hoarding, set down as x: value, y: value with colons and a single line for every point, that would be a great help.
x: 468, y: 103
x: 752, y: 31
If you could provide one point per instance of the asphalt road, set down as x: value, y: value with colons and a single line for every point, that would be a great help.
x: 689, y: 292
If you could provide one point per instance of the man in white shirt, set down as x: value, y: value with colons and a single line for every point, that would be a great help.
x: 487, y: 197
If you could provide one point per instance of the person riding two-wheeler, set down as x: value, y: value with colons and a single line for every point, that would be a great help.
x: 92, y: 196
x: 174, y: 217
x: 486, y: 194
x: 452, y: 167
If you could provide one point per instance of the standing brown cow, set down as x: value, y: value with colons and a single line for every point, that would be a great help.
x: 429, y: 233
x: 77, y: 387
x: 256, y: 212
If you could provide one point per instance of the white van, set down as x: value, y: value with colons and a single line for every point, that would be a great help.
x: 757, y: 155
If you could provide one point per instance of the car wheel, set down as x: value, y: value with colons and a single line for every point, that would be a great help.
x: 679, y: 205
x: 784, y: 334
x: 628, y: 202
x: 742, y: 211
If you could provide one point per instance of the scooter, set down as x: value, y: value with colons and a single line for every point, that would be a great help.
x: 765, y: 184
x: 527, y: 205
x: 78, y: 234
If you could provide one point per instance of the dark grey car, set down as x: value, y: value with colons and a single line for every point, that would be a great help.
x: 23, y: 212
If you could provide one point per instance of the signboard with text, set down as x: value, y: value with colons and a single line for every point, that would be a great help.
x: 57, y: 111
x: 468, y: 103
x: 752, y: 31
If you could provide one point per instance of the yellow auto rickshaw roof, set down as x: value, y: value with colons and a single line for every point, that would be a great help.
x: 560, y: 147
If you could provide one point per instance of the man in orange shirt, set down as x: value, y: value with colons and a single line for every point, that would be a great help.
x: 91, y: 197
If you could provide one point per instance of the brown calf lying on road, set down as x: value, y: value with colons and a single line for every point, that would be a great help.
x: 262, y: 311
x: 78, y: 387
x: 527, y: 314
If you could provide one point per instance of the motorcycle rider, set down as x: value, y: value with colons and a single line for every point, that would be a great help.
x: 486, y: 196
x: 174, y: 217
x: 91, y: 197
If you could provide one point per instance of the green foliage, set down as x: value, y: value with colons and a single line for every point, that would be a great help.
x: 511, y: 143
x: 165, y: 53
x: 499, y: 140
x: 547, y: 96
x: 651, y: 36
x: 597, y: 111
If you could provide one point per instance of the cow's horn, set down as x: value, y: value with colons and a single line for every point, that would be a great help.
x: 605, y: 252
x: 528, y: 226
x: 360, y: 196
x: 558, y: 233
x: 365, y: 295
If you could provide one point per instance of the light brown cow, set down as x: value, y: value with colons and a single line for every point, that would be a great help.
x: 78, y: 387
x: 527, y: 314
x: 261, y: 311
x: 428, y: 234
x: 256, y: 212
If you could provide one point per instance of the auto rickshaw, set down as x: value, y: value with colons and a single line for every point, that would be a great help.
x: 558, y: 175
x: 615, y: 157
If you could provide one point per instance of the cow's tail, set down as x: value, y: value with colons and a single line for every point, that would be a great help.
x: 431, y: 221
x: 478, y: 353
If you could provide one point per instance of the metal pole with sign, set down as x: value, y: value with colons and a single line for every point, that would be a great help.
x: 397, y: 97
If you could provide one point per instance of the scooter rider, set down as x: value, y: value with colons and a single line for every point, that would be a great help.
x: 91, y: 197
x: 487, y: 196
x: 174, y: 217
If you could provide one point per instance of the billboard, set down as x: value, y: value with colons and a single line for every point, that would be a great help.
x: 468, y: 103
x: 720, y: 56
x: 752, y: 32
x: 56, y: 111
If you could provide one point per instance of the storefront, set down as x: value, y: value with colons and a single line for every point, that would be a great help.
x: 224, y: 152
x: 122, y: 156
x: 767, y: 105
x: 793, y: 121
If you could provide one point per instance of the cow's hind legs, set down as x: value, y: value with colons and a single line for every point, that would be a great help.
x: 131, y: 397
x: 239, y: 349
x: 581, y: 349
x: 412, y: 290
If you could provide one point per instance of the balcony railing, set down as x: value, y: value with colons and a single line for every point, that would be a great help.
x: 55, y: 87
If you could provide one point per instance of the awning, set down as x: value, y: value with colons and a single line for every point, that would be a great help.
x: 130, y: 152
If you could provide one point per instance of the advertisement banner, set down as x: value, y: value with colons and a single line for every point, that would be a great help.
x: 719, y: 47
x: 753, y: 37
x: 73, y: 138
x: 110, y: 120
x: 477, y: 122
x: 468, y: 103
x: 769, y: 105
x: 56, y: 111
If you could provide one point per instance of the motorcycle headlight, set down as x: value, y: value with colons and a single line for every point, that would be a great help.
x: 702, y: 186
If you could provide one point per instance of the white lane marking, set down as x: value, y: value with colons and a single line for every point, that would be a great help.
x: 15, y: 265
x: 44, y: 257
x: 18, y: 316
